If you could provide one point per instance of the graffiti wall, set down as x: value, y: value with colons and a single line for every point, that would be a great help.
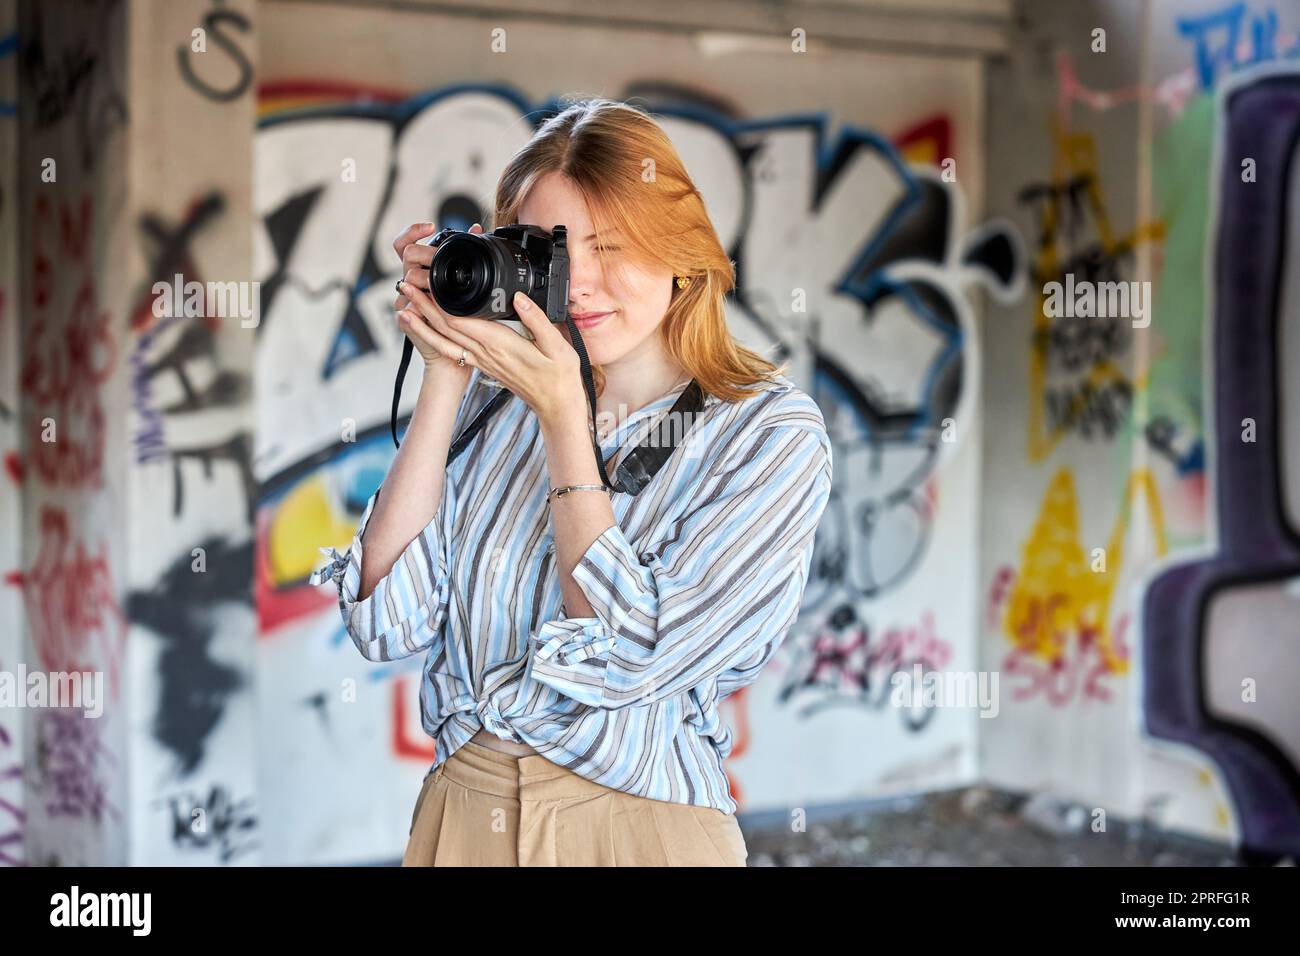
x: 1219, y: 630
x: 189, y: 447
x: 1046, y: 322
x: 12, y: 814
x: 69, y: 574
x: 861, y: 262
x: 1121, y: 668
x: 127, y: 437
x: 1234, y: 65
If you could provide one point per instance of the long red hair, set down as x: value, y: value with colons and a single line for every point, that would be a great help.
x: 633, y: 179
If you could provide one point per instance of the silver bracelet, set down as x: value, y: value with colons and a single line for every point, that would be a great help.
x: 563, y: 490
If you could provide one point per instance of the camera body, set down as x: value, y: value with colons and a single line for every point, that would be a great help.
x: 477, y: 275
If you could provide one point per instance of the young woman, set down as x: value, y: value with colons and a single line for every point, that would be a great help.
x: 578, y: 644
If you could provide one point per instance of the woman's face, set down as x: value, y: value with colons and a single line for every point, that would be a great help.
x: 617, y: 311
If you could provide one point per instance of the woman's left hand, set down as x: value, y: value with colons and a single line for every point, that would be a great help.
x: 544, y: 372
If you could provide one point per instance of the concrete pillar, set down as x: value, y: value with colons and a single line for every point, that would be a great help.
x: 135, y: 424
x: 12, y: 820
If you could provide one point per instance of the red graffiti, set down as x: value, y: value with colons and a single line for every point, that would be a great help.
x: 68, y: 593
x: 848, y: 661
x: 75, y: 235
x: 327, y: 91
x: 930, y: 138
x: 999, y: 592
x: 845, y: 663
x: 282, y: 605
x: 1076, y: 670
x: 1073, y: 664
x: 739, y: 705
x: 14, y: 467
x: 421, y: 748
x: 66, y: 362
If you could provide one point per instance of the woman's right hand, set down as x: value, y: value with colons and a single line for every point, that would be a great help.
x: 428, y: 336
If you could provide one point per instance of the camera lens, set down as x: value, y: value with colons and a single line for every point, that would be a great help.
x: 468, y: 270
x: 460, y: 275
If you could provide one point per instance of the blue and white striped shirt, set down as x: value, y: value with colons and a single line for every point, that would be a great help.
x: 694, y: 589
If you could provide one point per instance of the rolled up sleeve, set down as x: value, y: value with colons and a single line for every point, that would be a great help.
x: 722, y: 589
x: 405, y: 612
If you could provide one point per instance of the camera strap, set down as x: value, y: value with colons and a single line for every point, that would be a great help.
x: 589, y: 383
x: 638, y: 466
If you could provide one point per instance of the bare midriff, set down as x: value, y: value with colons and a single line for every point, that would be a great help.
x: 486, y: 738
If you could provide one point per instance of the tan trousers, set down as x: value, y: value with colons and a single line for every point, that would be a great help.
x: 482, y: 807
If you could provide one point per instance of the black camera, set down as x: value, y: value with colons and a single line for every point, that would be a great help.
x: 477, y: 275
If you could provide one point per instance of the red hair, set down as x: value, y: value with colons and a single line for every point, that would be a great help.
x: 633, y: 181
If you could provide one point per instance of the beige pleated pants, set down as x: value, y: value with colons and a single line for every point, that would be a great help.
x: 481, y: 807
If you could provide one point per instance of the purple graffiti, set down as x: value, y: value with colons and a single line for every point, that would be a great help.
x: 72, y: 761
x: 1200, y: 670
x: 12, y: 819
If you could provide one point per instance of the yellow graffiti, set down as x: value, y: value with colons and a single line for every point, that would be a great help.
x: 304, y: 522
x: 923, y: 153
x: 1059, y: 590
x: 1074, y: 160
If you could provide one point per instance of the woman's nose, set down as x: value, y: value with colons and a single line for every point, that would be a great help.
x: 584, y: 274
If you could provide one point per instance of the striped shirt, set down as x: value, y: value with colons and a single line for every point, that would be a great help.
x: 694, y: 588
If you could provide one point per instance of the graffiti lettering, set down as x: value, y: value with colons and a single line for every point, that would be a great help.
x: 213, y: 822
x: 1077, y: 381
x: 72, y: 764
x: 1056, y: 608
x: 12, y: 818
x: 843, y: 665
x: 66, y: 364
x: 169, y: 251
x: 71, y: 607
x: 212, y: 25
x: 73, y: 81
x: 1219, y: 37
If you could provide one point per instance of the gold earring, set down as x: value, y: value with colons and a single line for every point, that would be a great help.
x: 683, y: 281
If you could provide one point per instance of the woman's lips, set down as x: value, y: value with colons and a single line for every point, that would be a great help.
x: 585, y: 320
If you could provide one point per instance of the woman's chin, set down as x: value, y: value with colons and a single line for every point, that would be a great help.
x: 601, y: 346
